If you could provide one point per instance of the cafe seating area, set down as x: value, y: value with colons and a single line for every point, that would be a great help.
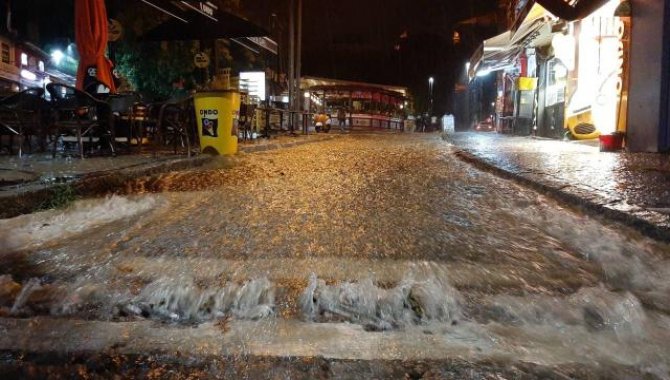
x: 65, y: 121
x: 24, y: 116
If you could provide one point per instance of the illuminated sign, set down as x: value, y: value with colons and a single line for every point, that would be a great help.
x: 621, y: 54
x: 253, y: 82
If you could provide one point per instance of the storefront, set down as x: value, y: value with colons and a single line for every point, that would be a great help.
x: 567, y: 78
x: 514, y: 59
x: 366, y: 105
x: 609, y: 66
x: 591, y: 64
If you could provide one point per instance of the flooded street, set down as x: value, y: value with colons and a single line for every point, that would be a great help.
x: 367, y: 256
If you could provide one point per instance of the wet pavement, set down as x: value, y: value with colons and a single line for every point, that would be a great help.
x: 636, y: 186
x: 25, y: 181
x: 365, y: 256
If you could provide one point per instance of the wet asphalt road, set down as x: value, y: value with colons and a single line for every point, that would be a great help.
x: 386, y: 238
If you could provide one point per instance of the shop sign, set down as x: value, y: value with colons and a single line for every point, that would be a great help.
x: 115, y: 30
x: 207, y: 8
x: 623, y: 48
x: 201, y: 60
x: 265, y: 43
x: 621, y: 55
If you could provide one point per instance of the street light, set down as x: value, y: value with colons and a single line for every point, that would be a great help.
x: 57, y: 56
x: 431, y: 81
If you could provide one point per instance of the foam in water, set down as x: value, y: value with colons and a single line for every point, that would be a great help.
x: 28, y: 288
x: 182, y: 300
x: 596, y: 309
x: 639, y: 266
x: 30, y: 231
x: 85, y: 297
x: 408, y: 303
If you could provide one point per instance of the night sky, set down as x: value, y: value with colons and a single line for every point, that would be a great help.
x: 346, y: 39
x: 358, y: 40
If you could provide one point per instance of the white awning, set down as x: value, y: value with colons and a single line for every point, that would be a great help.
x: 501, y: 51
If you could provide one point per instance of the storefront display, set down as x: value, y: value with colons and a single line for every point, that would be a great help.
x: 597, y: 89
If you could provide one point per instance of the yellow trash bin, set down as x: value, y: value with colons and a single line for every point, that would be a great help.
x: 216, y: 113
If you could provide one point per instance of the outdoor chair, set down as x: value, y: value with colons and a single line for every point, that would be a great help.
x: 132, y: 125
x: 246, y: 121
x: 23, y: 115
x: 76, y: 113
x: 175, y: 124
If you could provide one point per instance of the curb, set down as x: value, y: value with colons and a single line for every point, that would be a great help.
x: 30, y: 200
x: 645, y: 227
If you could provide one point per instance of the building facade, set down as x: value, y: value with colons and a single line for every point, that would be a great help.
x: 583, y: 69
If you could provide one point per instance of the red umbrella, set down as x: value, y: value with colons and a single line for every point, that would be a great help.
x: 91, y: 38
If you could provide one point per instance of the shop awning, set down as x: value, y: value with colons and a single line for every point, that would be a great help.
x: 308, y: 82
x: 568, y: 10
x: 494, y: 56
x: 193, y: 25
x: 502, y: 50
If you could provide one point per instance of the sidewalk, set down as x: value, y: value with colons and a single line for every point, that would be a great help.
x: 630, y: 188
x: 26, y: 182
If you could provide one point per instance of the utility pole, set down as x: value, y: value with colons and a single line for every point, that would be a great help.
x: 291, y: 63
x: 298, y: 57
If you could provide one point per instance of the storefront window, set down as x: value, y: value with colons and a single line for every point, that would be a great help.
x: 556, y: 80
x: 600, y: 68
x: 5, y: 53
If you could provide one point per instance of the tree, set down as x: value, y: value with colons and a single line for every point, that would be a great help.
x: 152, y: 68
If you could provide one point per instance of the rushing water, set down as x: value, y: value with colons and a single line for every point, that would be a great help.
x: 394, y: 236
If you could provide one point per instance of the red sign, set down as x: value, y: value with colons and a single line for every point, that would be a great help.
x: 361, y: 95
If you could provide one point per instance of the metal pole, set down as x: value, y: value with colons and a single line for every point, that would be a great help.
x: 291, y: 62
x: 298, y: 59
x: 430, y: 91
x: 298, y: 54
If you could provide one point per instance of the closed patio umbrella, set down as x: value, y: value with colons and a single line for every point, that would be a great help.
x: 91, y: 39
